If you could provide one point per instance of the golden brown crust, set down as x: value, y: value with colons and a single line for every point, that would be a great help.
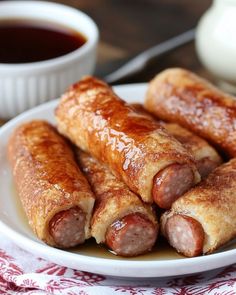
x: 177, y: 95
x: 213, y: 204
x: 134, y: 146
x: 46, y: 176
x: 114, y: 200
x: 205, y: 155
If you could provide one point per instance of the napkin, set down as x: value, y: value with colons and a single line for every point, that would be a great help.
x: 24, y: 273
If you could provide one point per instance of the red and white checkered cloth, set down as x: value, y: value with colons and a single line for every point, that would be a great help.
x: 23, y: 273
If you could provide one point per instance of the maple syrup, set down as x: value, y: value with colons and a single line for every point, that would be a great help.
x: 25, y: 41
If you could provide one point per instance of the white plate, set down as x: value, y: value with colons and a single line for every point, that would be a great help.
x: 89, y: 257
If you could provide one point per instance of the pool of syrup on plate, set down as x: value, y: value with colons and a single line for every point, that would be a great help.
x: 161, y: 251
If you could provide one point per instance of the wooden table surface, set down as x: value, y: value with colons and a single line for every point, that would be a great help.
x: 128, y: 27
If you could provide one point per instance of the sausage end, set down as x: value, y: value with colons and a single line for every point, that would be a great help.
x: 132, y: 235
x: 185, y: 234
x: 67, y: 227
x: 170, y: 183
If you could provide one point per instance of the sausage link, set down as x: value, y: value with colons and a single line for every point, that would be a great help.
x: 132, y: 235
x: 185, y: 234
x: 67, y: 227
x: 205, y: 166
x: 170, y: 183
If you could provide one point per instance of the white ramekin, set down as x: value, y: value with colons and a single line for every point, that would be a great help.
x: 23, y: 86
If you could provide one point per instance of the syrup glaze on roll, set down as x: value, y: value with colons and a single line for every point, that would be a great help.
x: 135, y: 147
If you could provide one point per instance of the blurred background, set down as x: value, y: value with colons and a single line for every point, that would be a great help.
x: 128, y: 27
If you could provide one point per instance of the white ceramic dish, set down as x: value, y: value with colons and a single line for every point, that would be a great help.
x: 23, y: 86
x: 91, y: 257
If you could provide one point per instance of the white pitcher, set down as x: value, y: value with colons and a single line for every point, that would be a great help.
x: 216, y: 42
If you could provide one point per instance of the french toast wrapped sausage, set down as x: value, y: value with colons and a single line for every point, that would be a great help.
x: 120, y: 219
x: 137, y: 149
x: 55, y: 195
x: 204, y: 218
x: 179, y: 96
x: 205, y: 156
